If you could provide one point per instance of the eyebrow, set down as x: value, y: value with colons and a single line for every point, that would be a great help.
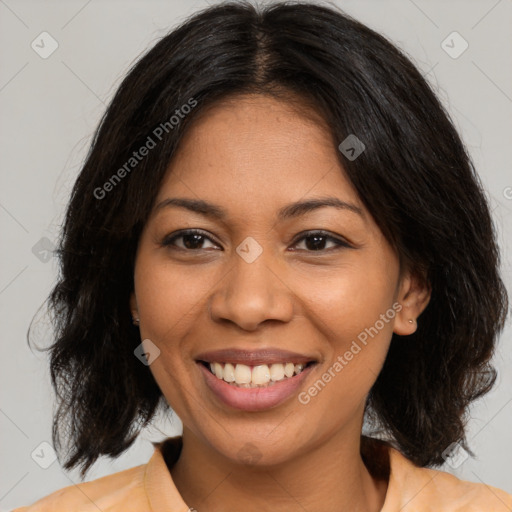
x: 287, y: 212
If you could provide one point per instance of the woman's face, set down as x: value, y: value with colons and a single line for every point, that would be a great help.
x: 255, y: 285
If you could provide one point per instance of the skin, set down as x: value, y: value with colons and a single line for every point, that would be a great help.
x: 252, y: 155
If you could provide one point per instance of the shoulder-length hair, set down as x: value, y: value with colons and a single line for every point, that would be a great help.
x: 415, y: 178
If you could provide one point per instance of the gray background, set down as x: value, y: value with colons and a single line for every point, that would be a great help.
x: 50, y: 108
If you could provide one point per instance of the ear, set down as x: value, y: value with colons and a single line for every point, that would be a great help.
x: 133, y: 306
x: 413, y: 295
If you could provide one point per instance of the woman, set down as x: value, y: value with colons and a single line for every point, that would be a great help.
x: 278, y: 234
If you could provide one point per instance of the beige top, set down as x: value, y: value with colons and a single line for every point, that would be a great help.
x: 150, y: 488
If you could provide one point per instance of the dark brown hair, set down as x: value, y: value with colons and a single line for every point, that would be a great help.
x: 415, y: 178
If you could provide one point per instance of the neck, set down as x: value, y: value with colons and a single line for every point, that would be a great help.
x: 330, y: 477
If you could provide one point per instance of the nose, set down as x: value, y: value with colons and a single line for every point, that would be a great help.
x: 252, y: 293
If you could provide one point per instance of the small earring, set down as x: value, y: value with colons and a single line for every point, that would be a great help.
x: 135, y: 321
x: 411, y: 321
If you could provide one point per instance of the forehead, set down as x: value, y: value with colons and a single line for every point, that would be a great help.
x: 257, y: 150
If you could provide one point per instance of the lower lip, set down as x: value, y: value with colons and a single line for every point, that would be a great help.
x: 253, y: 399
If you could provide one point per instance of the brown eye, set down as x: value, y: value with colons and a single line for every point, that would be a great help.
x: 315, y: 241
x: 192, y: 239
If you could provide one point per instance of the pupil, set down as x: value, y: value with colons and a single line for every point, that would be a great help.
x: 316, y: 244
x: 196, y: 237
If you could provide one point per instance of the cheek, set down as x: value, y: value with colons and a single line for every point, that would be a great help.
x: 167, y: 301
x: 167, y: 297
x: 166, y: 308
x: 354, y: 310
x: 351, y: 299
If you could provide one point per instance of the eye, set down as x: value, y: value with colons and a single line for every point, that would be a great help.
x: 318, y: 240
x: 193, y: 239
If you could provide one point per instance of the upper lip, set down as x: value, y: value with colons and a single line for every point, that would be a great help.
x: 254, y: 357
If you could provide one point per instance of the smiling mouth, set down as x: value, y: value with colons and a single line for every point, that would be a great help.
x: 259, y: 376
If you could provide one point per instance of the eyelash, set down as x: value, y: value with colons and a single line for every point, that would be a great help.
x: 169, y: 240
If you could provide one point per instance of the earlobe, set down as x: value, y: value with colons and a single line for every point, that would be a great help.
x: 134, y: 309
x: 414, y: 296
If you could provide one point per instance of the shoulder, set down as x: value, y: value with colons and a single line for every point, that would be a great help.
x: 122, y: 491
x: 412, y: 488
x: 138, y: 489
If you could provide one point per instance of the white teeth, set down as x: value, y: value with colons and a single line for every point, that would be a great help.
x: 260, y: 374
x: 289, y: 369
x: 277, y: 372
x: 229, y: 372
x: 242, y: 374
x: 263, y: 375
x: 217, y: 369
